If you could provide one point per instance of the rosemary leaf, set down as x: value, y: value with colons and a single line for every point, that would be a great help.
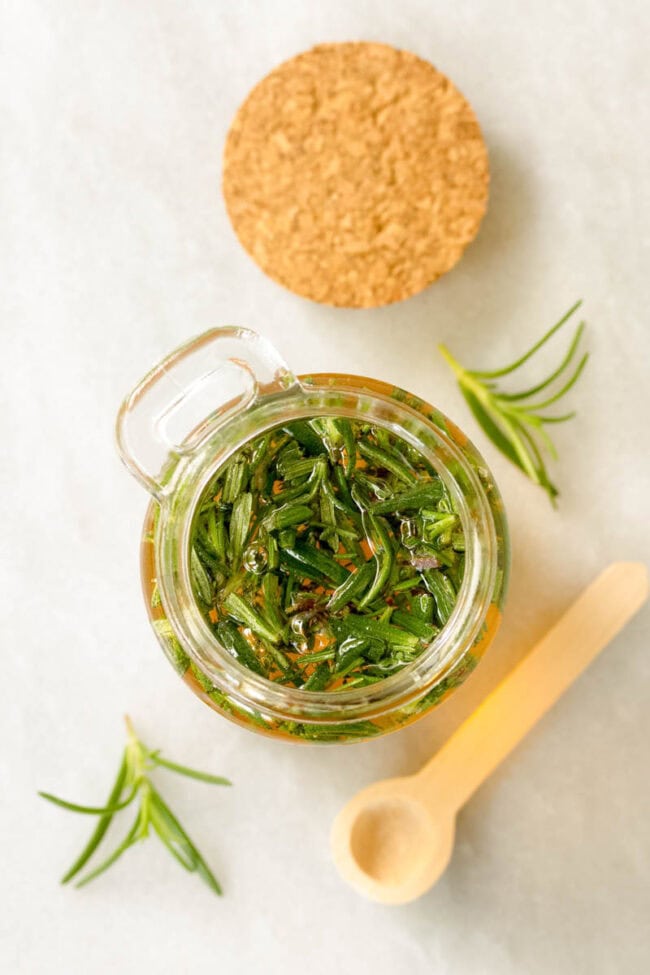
x: 443, y: 593
x: 352, y: 587
x: 102, y: 825
x: 90, y: 810
x: 190, y: 772
x: 240, y: 524
x: 178, y: 842
x: 238, y: 646
x: 131, y: 837
x: 245, y: 613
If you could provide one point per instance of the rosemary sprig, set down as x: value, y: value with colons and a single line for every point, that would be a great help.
x: 511, y: 420
x: 133, y: 780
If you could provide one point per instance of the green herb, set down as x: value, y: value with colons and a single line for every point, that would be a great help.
x: 511, y: 420
x: 326, y: 554
x: 352, y: 588
x: 133, y: 781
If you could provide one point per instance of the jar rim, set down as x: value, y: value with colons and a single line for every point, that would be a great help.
x: 439, y: 657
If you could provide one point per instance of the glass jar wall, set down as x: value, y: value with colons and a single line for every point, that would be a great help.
x: 348, y: 714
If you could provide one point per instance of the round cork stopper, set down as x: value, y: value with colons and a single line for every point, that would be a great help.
x: 355, y: 174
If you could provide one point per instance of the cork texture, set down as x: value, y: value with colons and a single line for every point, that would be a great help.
x: 355, y: 174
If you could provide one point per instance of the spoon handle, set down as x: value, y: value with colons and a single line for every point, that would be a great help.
x: 517, y: 704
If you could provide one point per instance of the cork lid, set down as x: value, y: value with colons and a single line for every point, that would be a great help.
x: 355, y: 174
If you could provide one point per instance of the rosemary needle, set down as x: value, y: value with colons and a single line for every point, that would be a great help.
x: 513, y: 421
x: 133, y: 780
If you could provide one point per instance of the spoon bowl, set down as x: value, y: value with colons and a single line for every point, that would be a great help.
x: 391, y: 846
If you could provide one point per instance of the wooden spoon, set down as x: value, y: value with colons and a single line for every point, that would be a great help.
x: 395, y: 838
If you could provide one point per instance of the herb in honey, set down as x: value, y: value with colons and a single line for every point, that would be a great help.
x: 326, y: 554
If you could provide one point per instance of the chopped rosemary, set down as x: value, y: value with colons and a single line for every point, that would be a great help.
x: 327, y: 553
x: 510, y: 419
x: 153, y: 812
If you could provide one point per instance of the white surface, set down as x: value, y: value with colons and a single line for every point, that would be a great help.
x: 115, y: 249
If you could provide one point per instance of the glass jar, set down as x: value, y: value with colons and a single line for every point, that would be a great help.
x: 186, y: 419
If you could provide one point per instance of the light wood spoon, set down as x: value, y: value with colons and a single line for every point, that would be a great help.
x: 395, y: 838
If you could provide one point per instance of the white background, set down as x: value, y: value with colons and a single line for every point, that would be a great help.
x: 115, y: 249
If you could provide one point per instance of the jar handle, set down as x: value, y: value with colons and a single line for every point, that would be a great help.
x: 191, y: 392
